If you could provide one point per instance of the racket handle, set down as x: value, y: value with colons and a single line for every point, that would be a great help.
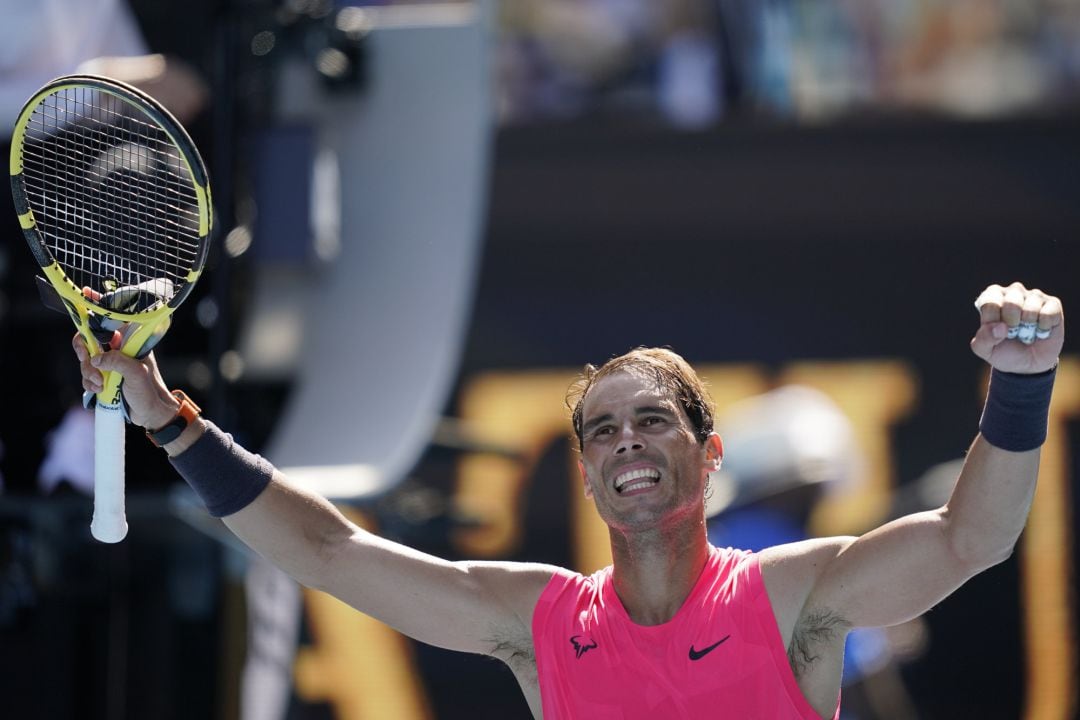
x: 109, y: 524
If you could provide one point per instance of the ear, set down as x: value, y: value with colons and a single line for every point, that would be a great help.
x: 714, y: 452
x: 585, y: 479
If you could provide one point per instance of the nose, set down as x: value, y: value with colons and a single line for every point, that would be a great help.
x: 628, y: 440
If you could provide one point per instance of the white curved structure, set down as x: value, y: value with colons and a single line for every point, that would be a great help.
x: 381, y: 326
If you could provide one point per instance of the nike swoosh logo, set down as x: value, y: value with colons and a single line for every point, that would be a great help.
x: 698, y: 654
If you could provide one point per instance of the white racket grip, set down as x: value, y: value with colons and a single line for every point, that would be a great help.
x: 110, y: 523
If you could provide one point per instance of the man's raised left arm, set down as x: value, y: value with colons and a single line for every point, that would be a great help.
x: 902, y: 569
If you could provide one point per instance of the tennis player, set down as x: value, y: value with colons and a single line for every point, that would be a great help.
x: 675, y: 628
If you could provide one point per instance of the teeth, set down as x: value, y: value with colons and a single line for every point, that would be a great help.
x: 645, y: 476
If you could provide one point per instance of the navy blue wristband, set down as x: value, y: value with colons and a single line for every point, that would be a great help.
x: 1017, y: 408
x: 225, y: 476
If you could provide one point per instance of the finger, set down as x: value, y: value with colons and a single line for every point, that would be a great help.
x: 989, y: 304
x: 79, y: 345
x: 1051, y: 316
x: 92, y: 378
x: 1026, y: 332
x: 94, y: 385
x: 1012, y: 305
x: 91, y: 294
x: 1032, y: 305
x: 114, y: 361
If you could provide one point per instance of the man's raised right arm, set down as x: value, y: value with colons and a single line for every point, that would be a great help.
x: 480, y: 607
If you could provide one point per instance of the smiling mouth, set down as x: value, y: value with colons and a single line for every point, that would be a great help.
x: 636, y: 479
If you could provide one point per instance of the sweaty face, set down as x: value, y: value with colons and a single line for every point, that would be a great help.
x: 641, y: 461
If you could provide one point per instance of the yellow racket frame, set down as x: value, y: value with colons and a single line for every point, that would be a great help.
x: 156, y: 318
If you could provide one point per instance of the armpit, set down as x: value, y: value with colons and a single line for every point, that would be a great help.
x: 514, y: 647
x: 817, y: 631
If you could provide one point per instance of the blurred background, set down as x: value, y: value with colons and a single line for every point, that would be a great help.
x: 430, y: 216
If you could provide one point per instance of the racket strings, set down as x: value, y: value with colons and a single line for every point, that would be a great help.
x: 46, y: 190
x: 111, y: 193
x: 183, y: 222
x: 176, y: 181
x: 119, y: 165
x: 49, y: 123
x: 102, y: 109
x: 133, y: 211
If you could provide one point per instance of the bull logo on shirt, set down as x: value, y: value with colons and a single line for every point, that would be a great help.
x: 582, y: 644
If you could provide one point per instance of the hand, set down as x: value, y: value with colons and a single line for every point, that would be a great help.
x: 150, y: 404
x: 1004, y: 309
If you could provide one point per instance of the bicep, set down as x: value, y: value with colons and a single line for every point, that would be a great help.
x: 466, y: 606
x: 479, y: 607
x: 893, y: 573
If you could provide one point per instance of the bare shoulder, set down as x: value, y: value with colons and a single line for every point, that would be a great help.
x: 813, y: 633
x: 518, y: 587
x: 790, y: 573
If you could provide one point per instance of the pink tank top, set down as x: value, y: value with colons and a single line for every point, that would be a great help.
x: 720, y: 656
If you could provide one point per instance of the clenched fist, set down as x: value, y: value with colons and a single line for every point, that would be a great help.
x: 1020, y: 331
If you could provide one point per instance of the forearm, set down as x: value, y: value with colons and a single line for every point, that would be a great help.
x: 993, y: 495
x: 989, y: 505
x: 293, y: 528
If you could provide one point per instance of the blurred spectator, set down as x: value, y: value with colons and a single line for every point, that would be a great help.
x: 783, y: 451
x: 561, y: 58
x: 692, y: 62
x: 69, y: 456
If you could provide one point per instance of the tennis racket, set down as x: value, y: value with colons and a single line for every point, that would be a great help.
x: 114, y: 201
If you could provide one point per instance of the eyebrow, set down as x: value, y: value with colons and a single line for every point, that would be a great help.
x: 600, y: 420
x: 640, y: 410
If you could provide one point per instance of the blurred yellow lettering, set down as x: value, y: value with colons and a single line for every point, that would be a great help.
x: 362, y: 668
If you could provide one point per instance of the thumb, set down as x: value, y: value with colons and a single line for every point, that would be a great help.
x: 115, y: 361
x: 988, y: 337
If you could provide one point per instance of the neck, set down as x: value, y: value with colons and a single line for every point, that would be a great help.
x: 654, y: 572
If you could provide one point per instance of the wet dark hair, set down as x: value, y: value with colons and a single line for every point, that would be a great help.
x: 672, y: 373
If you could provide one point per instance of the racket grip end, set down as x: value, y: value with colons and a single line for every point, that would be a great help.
x: 108, y: 529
